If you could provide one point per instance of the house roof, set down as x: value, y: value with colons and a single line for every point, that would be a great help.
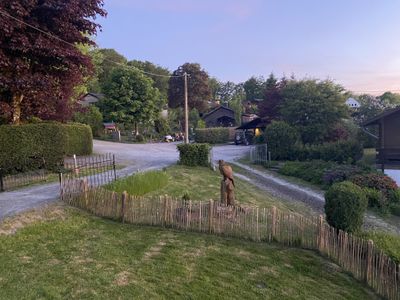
x: 256, y: 123
x: 385, y: 114
x: 216, y: 109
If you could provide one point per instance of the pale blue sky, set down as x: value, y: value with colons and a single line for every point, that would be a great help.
x: 354, y: 42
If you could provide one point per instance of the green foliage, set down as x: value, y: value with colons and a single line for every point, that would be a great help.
x: 194, y: 118
x: 376, y: 198
x: 217, y: 135
x: 395, y: 209
x: 194, y: 154
x: 389, y: 243
x: 339, y: 173
x: 34, y: 146
x: 161, y: 126
x: 281, y: 139
x: 92, y: 117
x: 105, y: 65
x: 201, y: 124
x: 140, y: 184
x: 311, y: 171
x: 159, y: 82
x: 254, y: 88
x: 394, y: 196
x: 345, y: 206
x: 130, y: 98
x: 313, y: 108
x: 139, y: 138
x: 342, y: 151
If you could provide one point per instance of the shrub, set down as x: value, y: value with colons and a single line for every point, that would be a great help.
x: 311, y: 171
x: 345, y: 206
x: 395, y: 209
x: 394, y: 196
x: 33, y: 146
x: 378, y: 181
x: 340, y: 173
x: 376, y: 198
x: 217, y: 135
x: 194, y: 154
x: 281, y: 138
x: 91, y: 116
x: 139, y: 138
x: 340, y: 152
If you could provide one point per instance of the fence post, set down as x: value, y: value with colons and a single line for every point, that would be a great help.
x: 368, y: 271
x: 210, y: 216
x: 1, y: 181
x: 165, y: 213
x: 60, y: 178
x: 115, y: 173
x: 85, y: 188
x: 123, y: 203
x: 273, y: 231
x: 320, y: 237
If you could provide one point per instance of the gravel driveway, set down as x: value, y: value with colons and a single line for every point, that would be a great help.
x: 133, y: 156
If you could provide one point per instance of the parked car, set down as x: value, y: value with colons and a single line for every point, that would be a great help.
x: 168, y: 139
x: 244, y: 137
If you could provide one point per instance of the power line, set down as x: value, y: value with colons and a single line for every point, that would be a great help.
x: 2, y: 12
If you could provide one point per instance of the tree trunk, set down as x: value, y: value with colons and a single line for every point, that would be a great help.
x: 16, y: 108
x: 136, y: 129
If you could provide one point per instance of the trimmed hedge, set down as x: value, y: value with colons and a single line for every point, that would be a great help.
x: 345, y: 206
x: 194, y: 154
x: 217, y: 135
x: 43, y: 145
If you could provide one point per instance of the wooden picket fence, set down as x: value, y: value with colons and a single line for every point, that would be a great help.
x: 353, y: 254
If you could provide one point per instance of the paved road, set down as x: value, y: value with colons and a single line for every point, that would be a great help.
x: 133, y: 156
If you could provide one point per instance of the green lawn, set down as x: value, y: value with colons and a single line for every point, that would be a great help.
x: 78, y: 256
x: 201, y: 183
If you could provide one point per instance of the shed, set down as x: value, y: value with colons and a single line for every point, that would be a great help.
x: 257, y: 125
x: 388, y: 147
x: 90, y: 98
x: 352, y: 103
x: 220, y: 117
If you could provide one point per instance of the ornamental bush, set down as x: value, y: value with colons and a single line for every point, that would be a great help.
x: 194, y: 154
x: 43, y: 145
x: 216, y: 135
x: 339, y: 173
x: 345, y: 206
x: 378, y: 181
x: 281, y: 139
x: 376, y: 199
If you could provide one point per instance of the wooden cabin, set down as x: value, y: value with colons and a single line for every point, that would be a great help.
x: 220, y: 117
x: 388, y: 147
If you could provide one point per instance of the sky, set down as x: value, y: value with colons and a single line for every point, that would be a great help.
x: 356, y: 43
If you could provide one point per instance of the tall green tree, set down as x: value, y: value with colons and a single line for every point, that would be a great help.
x: 390, y: 99
x: 214, y: 85
x: 313, y: 107
x: 254, y: 88
x: 159, y: 82
x: 226, y: 92
x: 111, y: 59
x: 236, y: 103
x: 272, y: 100
x: 198, y: 88
x: 130, y: 98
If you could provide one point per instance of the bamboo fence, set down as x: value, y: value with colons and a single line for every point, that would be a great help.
x: 355, y: 255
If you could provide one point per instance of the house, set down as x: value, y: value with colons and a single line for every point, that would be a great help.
x: 353, y: 103
x: 248, y: 117
x: 220, y: 117
x: 90, y: 98
x: 257, y: 125
x: 388, y: 147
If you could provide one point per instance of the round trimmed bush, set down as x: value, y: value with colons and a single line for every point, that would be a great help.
x: 345, y: 206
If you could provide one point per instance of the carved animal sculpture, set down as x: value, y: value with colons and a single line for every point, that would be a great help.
x: 226, y: 171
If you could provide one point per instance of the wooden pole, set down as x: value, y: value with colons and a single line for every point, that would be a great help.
x: 123, y: 205
x: 368, y: 273
x: 273, y: 231
x: 185, y: 75
x: 210, y: 216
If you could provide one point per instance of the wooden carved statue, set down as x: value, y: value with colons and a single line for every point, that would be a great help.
x: 227, y: 183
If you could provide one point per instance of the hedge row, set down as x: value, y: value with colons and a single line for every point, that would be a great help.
x: 194, y: 154
x: 217, y: 135
x: 43, y: 145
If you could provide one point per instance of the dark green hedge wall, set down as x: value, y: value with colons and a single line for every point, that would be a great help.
x: 43, y: 145
x: 217, y: 135
x: 194, y: 154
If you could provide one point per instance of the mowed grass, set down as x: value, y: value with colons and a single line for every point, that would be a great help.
x: 203, y: 184
x: 85, y: 257
x: 140, y: 183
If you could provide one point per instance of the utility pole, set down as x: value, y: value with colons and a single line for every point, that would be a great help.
x: 185, y: 75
